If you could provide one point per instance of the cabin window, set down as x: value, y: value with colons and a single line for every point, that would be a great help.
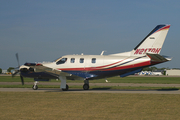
x: 81, y: 60
x: 62, y: 61
x: 93, y: 60
x: 72, y: 60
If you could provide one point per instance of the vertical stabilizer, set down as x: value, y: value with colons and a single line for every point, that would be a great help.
x: 153, y: 42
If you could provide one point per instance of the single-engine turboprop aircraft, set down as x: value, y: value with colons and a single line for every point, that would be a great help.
x: 90, y: 67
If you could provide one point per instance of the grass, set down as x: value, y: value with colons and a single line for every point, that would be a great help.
x: 88, y: 106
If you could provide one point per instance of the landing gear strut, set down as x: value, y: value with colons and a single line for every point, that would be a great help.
x: 35, y: 87
x: 86, y: 85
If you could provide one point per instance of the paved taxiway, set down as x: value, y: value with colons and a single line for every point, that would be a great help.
x: 104, y: 90
x: 96, y: 84
x: 98, y: 90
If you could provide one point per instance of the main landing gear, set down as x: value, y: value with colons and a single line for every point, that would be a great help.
x: 65, y: 89
x: 86, y: 85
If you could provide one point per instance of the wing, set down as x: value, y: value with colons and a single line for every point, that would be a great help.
x: 54, y: 72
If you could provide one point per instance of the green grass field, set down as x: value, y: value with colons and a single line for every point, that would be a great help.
x: 88, y: 106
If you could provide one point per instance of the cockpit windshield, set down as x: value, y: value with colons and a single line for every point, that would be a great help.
x: 57, y: 59
x: 61, y: 61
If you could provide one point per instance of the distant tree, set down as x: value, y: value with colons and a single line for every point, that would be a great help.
x: 9, y: 69
x: 146, y: 69
x: 154, y: 68
x: 162, y: 68
x: 176, y: 68
x: 149, y: 68
x: 0, y: 70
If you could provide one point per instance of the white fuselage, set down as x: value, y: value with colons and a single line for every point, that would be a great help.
x: 98, y: 61
x: 98, y: 65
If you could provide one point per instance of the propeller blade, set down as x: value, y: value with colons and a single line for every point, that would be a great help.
x: 15, y: 73
x: 22, y: 80
x: 17, y: 57
x: 18, y: 71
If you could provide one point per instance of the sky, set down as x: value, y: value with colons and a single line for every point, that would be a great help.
x: 44, y: 30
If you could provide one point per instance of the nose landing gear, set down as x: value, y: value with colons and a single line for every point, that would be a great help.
x: 35, y: 87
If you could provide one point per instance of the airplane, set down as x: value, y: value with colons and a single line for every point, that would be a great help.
x: 91, y: 67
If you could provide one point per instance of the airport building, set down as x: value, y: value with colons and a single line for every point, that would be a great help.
x: 4, y: 71
x: 157, y: 72
x: 173, y: 72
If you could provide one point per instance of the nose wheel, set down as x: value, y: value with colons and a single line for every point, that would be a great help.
x: 35, y: 87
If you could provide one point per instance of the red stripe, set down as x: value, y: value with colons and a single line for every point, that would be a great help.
x: 129, y: 66
x: 166, y: 27
x: 110, y: 64
x: 115, y: 68
x: 89, y: 68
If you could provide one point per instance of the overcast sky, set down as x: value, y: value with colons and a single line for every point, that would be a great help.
x: 43, y: 30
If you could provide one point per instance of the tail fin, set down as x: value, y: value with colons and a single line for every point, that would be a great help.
x: 153, y: 42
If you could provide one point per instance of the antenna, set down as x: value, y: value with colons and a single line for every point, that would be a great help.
x: 102, y: 52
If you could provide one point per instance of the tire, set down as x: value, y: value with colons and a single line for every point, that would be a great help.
x: 65, y: 89
x: 86, y: 87
x: 35, y: 87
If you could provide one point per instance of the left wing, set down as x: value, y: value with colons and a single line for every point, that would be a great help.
x: 56, y: 73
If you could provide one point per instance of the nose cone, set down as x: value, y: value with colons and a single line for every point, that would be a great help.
x: 23, y: 66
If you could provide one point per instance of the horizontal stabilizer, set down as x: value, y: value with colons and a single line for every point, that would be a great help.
x: 157, y: 57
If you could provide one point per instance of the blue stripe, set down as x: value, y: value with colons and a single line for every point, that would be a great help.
x: 153, y: 31
x: 157, y: 28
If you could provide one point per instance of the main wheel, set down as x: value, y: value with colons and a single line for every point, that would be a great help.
x: 86, y: 86
x: 35, y: 87
x: 65, y: 89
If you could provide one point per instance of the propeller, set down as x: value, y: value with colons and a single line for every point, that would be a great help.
x: 22, y: 80
x: 18, y: 71
x: 17, y: 57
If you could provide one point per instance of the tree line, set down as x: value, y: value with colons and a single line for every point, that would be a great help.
x: 8, y: 70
